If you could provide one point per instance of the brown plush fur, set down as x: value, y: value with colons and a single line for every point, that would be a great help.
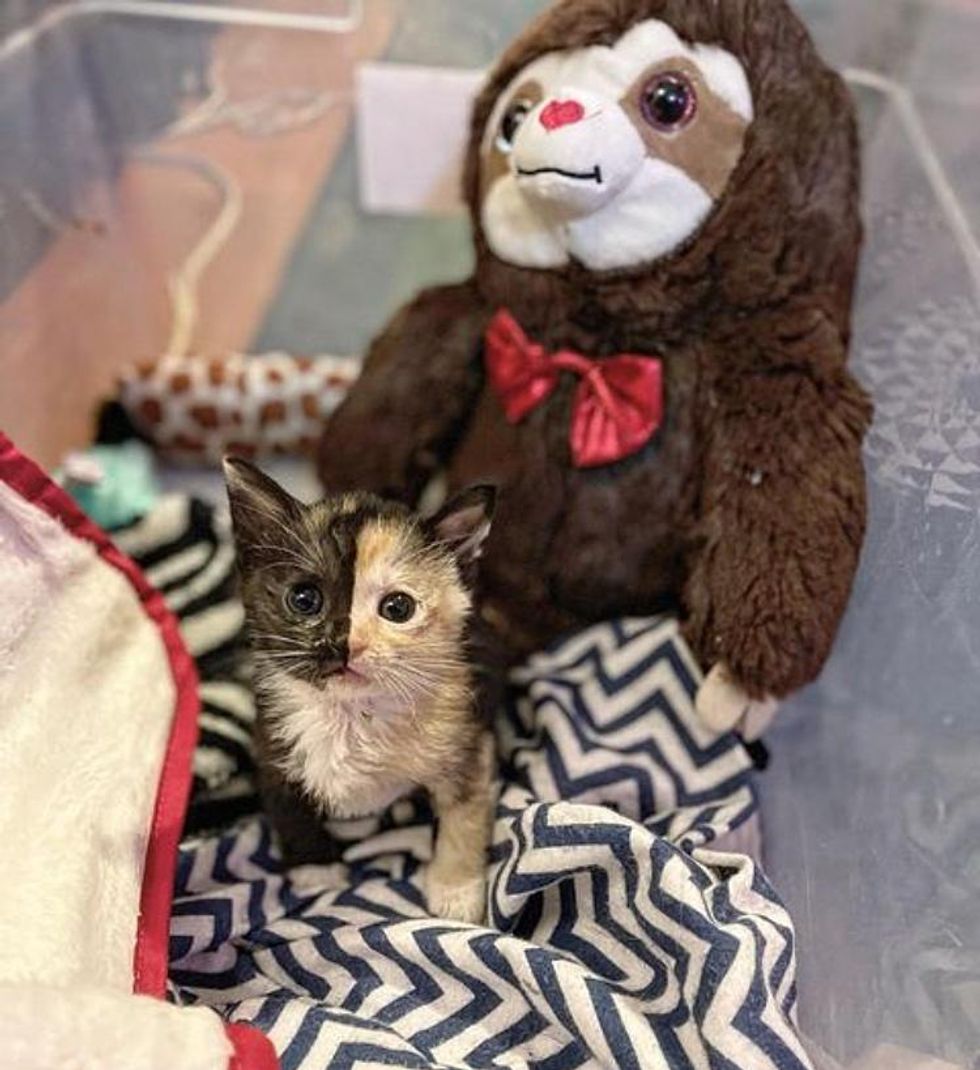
x: 747, y: 510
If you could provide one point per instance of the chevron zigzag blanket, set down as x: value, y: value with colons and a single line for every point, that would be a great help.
x: 624, y: 932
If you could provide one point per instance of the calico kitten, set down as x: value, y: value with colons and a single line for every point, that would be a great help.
x: 357, y: 611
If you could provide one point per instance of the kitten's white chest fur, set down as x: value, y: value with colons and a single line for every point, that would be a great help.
x: 341, y: 749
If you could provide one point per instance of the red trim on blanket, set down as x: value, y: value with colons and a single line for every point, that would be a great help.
x: 252, y: 1050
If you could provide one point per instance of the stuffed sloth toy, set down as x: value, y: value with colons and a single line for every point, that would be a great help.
x: 650, y: 357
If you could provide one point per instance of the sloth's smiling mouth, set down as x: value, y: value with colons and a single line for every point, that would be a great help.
x: 595, y: 175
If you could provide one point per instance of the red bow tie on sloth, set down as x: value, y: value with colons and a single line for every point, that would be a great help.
x: 618, y: 405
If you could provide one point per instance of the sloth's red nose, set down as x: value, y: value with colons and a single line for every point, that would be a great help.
x: 562, y: 113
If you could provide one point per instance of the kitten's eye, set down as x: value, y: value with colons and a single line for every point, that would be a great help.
x: 398, y: 607
x: 517, y: 111
x: 305, y: 599
x: 668, y: 102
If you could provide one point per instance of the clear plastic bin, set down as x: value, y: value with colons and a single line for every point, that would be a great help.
x: 119, y: 128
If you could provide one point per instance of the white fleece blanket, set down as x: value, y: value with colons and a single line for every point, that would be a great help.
x: 90, y: 703
x: 86, y: 691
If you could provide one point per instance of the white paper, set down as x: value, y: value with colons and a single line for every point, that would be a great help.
x: 412, y: 130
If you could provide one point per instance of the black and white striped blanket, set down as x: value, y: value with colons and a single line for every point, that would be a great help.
x: 623, y: 930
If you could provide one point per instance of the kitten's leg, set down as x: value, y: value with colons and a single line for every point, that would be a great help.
x: 456, y: 880
x: 298, y: 827
x: 296, y: 823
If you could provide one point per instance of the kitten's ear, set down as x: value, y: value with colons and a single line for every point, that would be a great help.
x: 463, y: 523
x: 260, y: 508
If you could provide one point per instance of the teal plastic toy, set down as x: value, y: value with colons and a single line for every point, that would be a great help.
x: 114, y: 485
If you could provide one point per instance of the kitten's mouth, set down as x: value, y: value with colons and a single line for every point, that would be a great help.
x: 343, y: 676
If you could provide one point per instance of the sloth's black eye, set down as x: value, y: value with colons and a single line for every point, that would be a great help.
x: 517, y: 111
x: 398, y: 607
x: 668, y: 101
x: 305, y: 599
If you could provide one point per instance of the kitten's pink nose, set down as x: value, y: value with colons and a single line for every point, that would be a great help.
x: 561, y: 113
x: 355, y: 653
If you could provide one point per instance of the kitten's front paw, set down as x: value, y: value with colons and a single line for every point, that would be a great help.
x: 457, y: 900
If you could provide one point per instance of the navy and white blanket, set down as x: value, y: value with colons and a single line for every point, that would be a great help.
x: 623, y: 932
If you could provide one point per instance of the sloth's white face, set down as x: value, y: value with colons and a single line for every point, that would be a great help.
x: 612, y: 156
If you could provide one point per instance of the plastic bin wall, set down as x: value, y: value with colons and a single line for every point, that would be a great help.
x: 116, y: 132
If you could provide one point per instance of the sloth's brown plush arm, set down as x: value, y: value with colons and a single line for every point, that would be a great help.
x: 402, y: 417
x: 783, y: 506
